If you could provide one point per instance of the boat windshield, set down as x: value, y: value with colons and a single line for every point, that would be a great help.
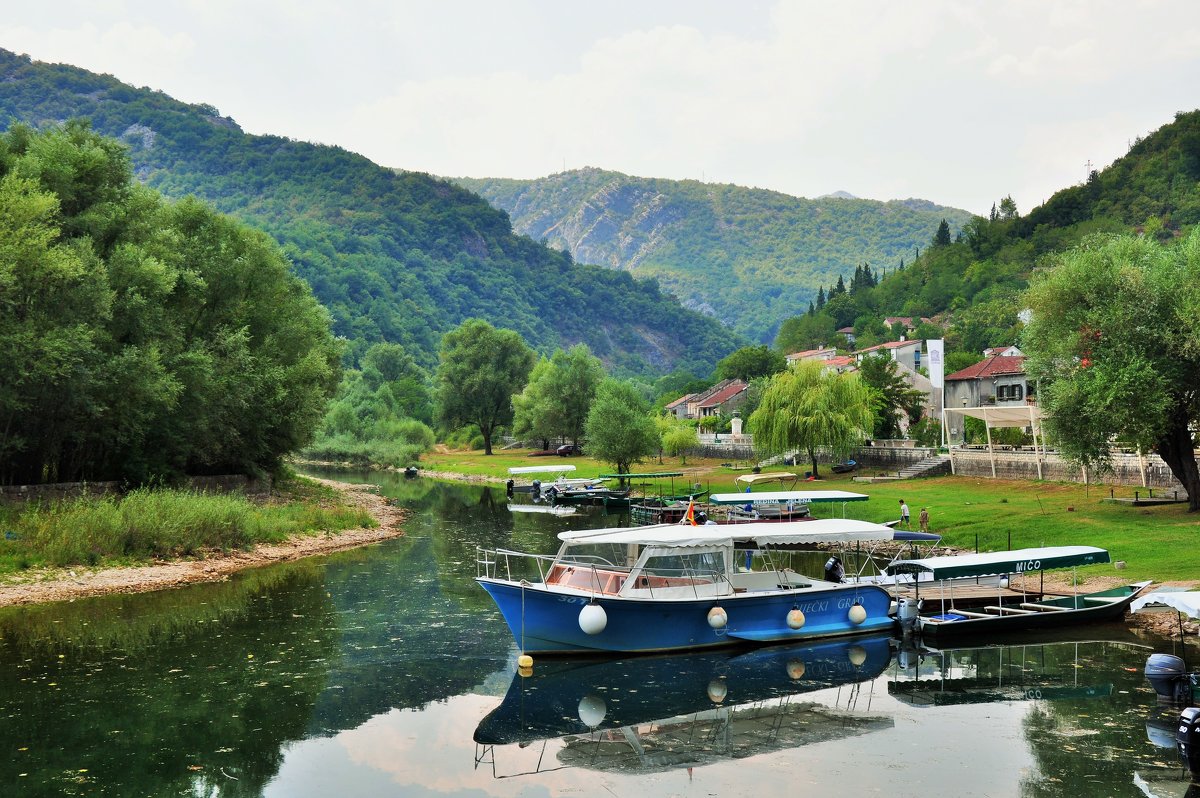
x: 602, y: 554
x: 676, y: 563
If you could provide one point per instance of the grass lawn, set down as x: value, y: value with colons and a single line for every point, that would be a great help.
x: 1158, y: 543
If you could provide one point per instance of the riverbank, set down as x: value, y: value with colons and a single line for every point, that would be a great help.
x: 40, y: 585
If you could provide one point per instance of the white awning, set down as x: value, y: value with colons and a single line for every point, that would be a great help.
x: 1188, y: 602
x: 1002, y: 562
x: 1015, y: 416
x: 546, y: 469
x: 797, y: 496
x: 794, y: 533
x: 780, y: 476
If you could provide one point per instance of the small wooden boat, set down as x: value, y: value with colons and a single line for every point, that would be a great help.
x: 939, y: 619
x: 844, y: 468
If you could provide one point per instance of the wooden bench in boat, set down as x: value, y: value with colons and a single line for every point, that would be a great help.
x: 1010, y: 610
x: 1104, y: 599
x: 1043, y: 607
x: 967, y: 613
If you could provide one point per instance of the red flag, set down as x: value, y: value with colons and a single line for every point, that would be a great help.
x: 690, y: 517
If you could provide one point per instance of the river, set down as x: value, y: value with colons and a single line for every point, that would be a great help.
x: 387, y: 671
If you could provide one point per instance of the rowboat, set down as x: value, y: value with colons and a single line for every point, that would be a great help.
x: 673, y: 587
x: 1031, y: 609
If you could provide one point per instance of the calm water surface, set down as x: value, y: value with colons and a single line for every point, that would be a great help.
x: 386, y: 671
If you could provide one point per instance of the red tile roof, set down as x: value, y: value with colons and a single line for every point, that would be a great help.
x: 725, y: 394
x: 992, y: 367
x: 839, y: 361
x: 681, y: 400
x: 888, y: 345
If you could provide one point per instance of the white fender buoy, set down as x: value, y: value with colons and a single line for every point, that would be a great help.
x: 857, y: 655
x: 592, y: 710
x: 858, y: 614
x: 795, y: 618
x: 795, y: 669
x: 524, y: 661
x: 593, y: 619
x: 1004, y: 582
x: 717, y: 618
x: 525, y: 673
x: 717, y: 690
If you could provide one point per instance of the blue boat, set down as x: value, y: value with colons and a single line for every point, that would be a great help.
x: 674, y: 587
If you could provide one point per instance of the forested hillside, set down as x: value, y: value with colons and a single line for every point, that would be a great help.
x: 748, y: 256
x: 975, y: 284
x: 400, y: 257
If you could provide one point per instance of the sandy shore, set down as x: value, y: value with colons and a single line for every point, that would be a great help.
x: 65, y: 584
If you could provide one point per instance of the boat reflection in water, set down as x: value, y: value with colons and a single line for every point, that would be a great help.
x: 1034, y: 670
x: 645, y: 714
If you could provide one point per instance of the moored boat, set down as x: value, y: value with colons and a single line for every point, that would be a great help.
x: 939, y: 618
x: 677, y: 587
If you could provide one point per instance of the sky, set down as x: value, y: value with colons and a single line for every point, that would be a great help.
x: 955, y: 101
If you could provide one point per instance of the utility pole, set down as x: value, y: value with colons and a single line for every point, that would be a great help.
x: 1087, y: 170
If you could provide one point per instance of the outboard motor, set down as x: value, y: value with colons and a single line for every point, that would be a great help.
x: 1168, y: 676
x: 535, y: 490
x: 508, y: 488
x: 907, y: 612
x: 834, y: 572
x: 1188, y: 738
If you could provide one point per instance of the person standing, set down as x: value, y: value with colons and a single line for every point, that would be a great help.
x: 905, y: 518
x: 923, y: 519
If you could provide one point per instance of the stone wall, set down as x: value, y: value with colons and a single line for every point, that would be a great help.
x: 1127, y: 469
x: 892, y: 458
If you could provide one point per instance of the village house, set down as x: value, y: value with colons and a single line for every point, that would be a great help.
x: 998, y: 380
x: 823, y: 353
x: 907, y: 355
x: 722, y: 398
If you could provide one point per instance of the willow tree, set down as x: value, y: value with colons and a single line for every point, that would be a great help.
x: 810, y: 408
x: 1114, y: 343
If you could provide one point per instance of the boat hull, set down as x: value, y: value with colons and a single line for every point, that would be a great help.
x: 1082, y: 609
x: 545, y: 620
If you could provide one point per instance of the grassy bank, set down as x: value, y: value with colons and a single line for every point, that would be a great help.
x: 1156, y: 543
x: 151, y: 524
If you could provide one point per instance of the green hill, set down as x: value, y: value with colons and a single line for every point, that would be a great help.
x: 401, y: 257
x: 1154, y: 187
x: 748, y: 256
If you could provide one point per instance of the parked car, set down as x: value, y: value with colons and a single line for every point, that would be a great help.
x: 569, y: 449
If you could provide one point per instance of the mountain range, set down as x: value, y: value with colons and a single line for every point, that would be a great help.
x: 400, y: 257
x: 748, y: 256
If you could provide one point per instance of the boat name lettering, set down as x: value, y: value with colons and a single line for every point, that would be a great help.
x: 815, y: 606
x: 572, y: 600
x: 1029, y: 565
x: 845, y: 603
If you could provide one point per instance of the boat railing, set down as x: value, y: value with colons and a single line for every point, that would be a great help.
x: 511, y: 565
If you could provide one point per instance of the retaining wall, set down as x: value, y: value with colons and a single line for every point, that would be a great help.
x: 1126, y: 469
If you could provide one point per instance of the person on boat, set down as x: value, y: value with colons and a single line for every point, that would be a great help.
x: 834, y: 572
x: 703, y: 520
x: 905, y: 518
x: 923, y: 519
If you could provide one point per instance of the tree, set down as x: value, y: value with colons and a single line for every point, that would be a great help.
x: 895, y: 397
x: 750, y: 362
x: 479, y: 370
x: 558, y: 396
x: 942, y: 237
x: 678, y: 438
x: 808, y: 407
x: 619, y: 428
x: 1114, y: 343
x: 800, y: 333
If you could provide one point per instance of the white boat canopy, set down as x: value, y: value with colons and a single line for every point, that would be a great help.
x: 547, y: 469
x: 1002, y: 562
x: 795, y: 533
x: 1182, y: 601
x: 797, y: 496
x: 774, y: 476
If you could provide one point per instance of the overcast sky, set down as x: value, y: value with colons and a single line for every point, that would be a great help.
x: 958, y: 102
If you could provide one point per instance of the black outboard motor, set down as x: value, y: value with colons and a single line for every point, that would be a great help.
x: 834, y: 572
x: 1168, y: 676
x: 535, y: 490
x: 508, y: 488
x: 1188, y: 738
